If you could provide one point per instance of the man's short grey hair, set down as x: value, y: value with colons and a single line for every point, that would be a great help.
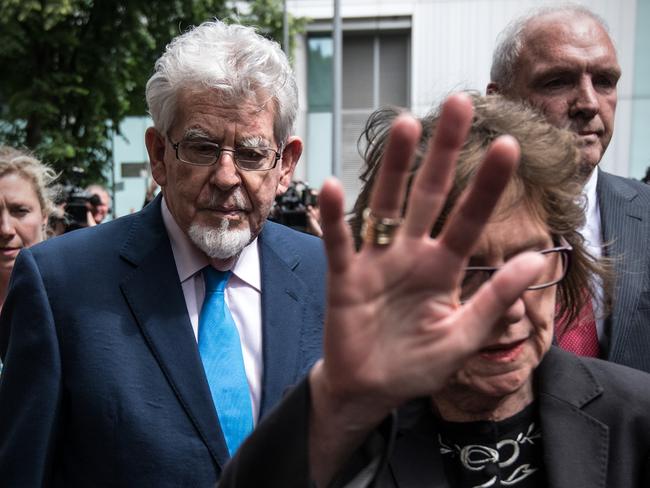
x: 510, y: 41
x: 233, y: 60
x: 97, y: 189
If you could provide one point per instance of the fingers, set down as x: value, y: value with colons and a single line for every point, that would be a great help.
x: 471, y: 213
x: 389, y: 188
x: 478, y: 317
x: 434, y: 178
x: 336, y: 232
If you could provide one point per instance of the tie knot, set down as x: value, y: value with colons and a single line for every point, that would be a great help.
x: 215, y: 280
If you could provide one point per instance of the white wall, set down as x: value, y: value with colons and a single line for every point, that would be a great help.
x: 130, y: 148
x: 452, y: 43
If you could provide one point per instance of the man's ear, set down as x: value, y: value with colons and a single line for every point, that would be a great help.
x: 492, y: 88
x: 155, y: 143
x: 290, y: 155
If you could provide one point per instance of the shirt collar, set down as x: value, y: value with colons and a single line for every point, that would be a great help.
x: 247, y: 266
x: 191, y: 260
x: 589, y: 191
x: 591, y: 228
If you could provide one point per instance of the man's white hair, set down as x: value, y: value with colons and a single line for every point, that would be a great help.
x: 235, y: 61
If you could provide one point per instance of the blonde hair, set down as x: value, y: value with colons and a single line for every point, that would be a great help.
x: 40, y: 175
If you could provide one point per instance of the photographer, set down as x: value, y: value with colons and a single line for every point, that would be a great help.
x: 298, y: 208
x: 313, y: 221
x: 99, y: 207
x: 76, y: 208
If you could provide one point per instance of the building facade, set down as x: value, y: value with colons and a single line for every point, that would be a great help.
x: 411, y: 53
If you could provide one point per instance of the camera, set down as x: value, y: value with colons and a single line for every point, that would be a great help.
x: 75, y: 203
x: 290, y: 208
x: 76, y: 206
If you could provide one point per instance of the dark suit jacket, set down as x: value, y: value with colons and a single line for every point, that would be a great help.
x: 595, y: 432
x: 625, y: 218
x: 103, y: 384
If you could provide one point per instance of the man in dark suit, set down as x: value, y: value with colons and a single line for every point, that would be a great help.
x: 106, y: 379
x: 562, y: 61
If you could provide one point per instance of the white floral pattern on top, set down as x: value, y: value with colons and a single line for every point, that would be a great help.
x: 475, y: 457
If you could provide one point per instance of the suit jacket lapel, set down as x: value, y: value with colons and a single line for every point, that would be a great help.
x: 155, y: 296
x: 623, y: 228
x: 283, y: 316
x: 576, y: 445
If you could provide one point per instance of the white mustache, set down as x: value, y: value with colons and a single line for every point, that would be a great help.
x: 237, y: 198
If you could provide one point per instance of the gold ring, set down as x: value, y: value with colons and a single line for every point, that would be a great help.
x: 379, y: 231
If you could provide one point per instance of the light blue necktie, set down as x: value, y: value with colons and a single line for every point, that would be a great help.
x: 220, y: 350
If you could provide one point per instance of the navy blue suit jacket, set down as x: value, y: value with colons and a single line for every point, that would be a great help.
x: 103, y: 384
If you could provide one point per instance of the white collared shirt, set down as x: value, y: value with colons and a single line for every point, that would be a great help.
x: 592, y: 233
x: 243, y: 297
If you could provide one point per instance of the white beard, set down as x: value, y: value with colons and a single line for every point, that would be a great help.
x: 219, y: 242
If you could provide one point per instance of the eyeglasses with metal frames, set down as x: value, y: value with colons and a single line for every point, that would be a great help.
x: 206, y: 153
x: 558, y: 260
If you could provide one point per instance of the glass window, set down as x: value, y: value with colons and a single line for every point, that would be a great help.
x: 393, y: 70
x: 376, y: 72
x: 358, y: 71
x: 319, y: 74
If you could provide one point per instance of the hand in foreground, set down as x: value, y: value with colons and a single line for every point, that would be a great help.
x: 395, y: 329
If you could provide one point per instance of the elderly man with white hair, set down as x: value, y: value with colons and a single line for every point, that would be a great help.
x: 142, y: 352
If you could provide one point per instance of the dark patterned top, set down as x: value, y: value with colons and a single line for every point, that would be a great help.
x: 482, y: 454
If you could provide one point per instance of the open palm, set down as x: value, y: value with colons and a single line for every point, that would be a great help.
x: 395, y: 328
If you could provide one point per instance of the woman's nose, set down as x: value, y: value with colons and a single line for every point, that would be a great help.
x: 515, y: 312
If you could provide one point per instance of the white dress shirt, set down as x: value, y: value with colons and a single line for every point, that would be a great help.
x: 592, y: 233
x: 243, y: 297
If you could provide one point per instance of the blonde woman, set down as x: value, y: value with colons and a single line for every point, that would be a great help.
x: 25, y: 205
